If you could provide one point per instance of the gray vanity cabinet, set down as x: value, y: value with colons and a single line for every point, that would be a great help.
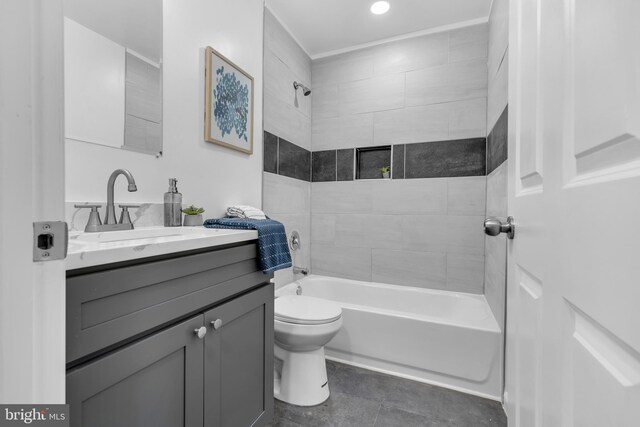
x: 238, y: 379
x: 156, y: 381
x: 131, y: 365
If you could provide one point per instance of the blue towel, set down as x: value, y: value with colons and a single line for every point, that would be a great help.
x: 272, y: 239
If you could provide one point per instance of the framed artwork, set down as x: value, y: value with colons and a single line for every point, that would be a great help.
x: 228, y: 118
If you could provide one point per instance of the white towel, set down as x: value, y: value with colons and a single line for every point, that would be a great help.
x: 242, y: 211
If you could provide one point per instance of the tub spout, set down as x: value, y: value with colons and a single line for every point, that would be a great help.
x: 300, y: 270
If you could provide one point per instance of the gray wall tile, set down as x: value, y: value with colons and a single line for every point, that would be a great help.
x: 498, y: 68
x: 413, y: 124
x: 467, y: 119
x: 270, y: 153
x: 420, y: 269
x: 287, y: 114
x: 452, y: 82
x: 341, y: 197
x: 426, y: 89
x: 286, y: 121
x: 425, y: 196
x: 341, y: 262
x: 498, y: 93
x: 431, y: 50
x: 498, y: 35
x: 293, y: 161
x: 496, y: 247
x: 465, y: 157
x: 397, y: 169
x: 284, y: 195
x: 465, y: 273
x: 466, y: 195
x: 465, y: 235
x: 342, y: 132
x: 324, y: 166
x: 370, y: 95
x: 346, y: 67
x: 345, y: 164
x: 468, y: 43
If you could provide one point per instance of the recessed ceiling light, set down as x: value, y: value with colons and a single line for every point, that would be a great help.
x: 380, y: 7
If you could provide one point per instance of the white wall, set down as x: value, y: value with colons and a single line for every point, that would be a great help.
x: 209, y: 175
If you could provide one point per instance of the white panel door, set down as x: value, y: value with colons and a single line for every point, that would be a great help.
x: 573, y: 323
x: 32, y: 294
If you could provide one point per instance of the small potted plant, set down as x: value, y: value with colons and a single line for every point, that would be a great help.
x: 192, y: 216
x: 385, y: 171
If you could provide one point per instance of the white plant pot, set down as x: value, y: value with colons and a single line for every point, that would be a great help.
x: 386, y: 174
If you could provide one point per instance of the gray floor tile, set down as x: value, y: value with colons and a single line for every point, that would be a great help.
x: 393, y: 417
x: 341, y: 410
x: 283, y: 422
x: 360, y: 397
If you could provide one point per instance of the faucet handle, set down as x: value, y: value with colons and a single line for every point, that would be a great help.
x: 94, y: 217
x: 124, y: 215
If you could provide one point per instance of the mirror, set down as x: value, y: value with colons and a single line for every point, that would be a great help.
x: 113, y: 73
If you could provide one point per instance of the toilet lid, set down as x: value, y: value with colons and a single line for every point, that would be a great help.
x: 306, y: 310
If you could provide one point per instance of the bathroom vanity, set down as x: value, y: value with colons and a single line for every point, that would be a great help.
x: 169, y: 329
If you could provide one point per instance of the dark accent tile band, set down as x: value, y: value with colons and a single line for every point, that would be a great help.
x: 270, y: 152
x: 293, y: 161
x: 345, y: 164
x: 398, y: 162
x: 497, y: 142
x: 323, y: 166
x: 462, y: 157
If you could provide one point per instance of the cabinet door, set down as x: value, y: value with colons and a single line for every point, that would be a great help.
x: 155, y: 382
x: 239, y: 361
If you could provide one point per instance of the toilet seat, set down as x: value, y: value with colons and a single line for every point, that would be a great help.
x: 304, y: 310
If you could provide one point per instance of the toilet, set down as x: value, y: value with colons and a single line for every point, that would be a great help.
x: 303, y: 325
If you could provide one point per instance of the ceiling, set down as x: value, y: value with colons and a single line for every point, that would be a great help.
x: 325, y: 27
x: 135, y: 24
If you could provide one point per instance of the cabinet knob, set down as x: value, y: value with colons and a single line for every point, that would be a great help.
x: 217, y: 324
x: 200, y: 332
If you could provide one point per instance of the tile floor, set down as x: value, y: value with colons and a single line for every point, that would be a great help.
x: 365, y: 398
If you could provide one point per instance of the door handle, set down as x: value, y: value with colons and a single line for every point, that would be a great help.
x: 493, y: 227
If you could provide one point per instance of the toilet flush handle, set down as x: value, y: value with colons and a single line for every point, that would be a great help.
x: 217, y: 324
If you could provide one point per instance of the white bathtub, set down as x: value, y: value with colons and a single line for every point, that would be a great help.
x: 445, y: 338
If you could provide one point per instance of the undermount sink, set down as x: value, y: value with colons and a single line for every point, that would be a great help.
x: 139, y: 233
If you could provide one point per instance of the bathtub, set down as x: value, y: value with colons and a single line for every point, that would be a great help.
x: 450, y: 339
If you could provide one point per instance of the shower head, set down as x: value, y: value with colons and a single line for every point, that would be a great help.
x: 305, y: 90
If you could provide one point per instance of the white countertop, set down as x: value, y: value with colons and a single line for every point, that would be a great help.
x: 91, y: 249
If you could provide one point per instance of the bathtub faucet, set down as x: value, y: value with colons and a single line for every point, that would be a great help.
x: 300, y: 270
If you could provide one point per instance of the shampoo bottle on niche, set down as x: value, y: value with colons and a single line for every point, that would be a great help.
x: 172, y: 205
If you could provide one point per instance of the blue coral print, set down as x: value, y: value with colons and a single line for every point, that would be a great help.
x: 231, y: 108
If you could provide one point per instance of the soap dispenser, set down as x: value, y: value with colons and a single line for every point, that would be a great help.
x: 172, y: 205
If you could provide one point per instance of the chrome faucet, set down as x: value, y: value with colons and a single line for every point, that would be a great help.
x: 300, y: 270
x: 110, y: 224
x: 110, y: 216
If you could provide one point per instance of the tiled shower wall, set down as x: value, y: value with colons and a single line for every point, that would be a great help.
x: 425, y: 96
x: 497, y: 117
x: 287, y: 118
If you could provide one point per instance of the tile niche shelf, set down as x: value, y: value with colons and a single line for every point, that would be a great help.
x: 369, y: 161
